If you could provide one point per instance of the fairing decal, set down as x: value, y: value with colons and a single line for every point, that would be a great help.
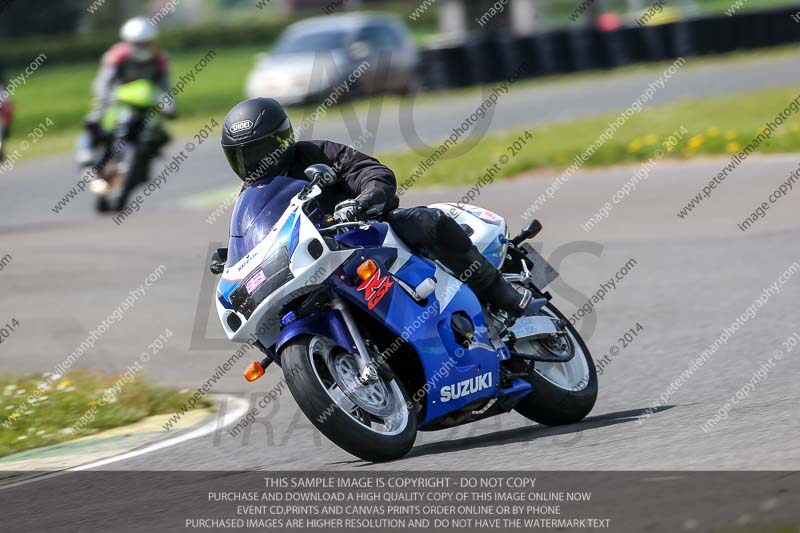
x: 375, y: 288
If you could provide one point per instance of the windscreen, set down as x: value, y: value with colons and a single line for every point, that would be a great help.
x: 311, y: 42
x: 257, y: 210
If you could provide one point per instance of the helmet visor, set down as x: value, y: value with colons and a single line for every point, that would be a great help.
x: 263, y: 158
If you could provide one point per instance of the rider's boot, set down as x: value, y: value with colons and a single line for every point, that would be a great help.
x: 490, y: 287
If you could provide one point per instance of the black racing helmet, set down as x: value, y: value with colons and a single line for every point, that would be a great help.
x: 258, y: 139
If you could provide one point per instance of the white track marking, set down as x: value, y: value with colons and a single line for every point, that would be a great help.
x: 239, y: 408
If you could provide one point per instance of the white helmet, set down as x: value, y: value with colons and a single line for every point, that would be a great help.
x: 138, y: 30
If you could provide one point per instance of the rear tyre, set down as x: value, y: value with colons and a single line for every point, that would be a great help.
x: 563, y: 393
x: 373, y: 436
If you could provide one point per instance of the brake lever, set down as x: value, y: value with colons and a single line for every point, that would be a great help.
x: 342, y: 225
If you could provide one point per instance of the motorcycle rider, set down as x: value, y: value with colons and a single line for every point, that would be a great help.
x: 258, y: 141
x: 135, y: 57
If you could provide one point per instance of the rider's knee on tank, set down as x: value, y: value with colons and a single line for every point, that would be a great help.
x: 429, y: 229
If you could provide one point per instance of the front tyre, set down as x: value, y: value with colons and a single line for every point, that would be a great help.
x: 138, y: 164
x: 563, y: 393
x: 101, y: 204
x: 379, y: 427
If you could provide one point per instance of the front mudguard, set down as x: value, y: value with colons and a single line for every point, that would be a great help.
x: 327, y: 324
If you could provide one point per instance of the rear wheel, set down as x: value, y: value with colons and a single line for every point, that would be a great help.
x: 373, y: 422
x: 563, y: 393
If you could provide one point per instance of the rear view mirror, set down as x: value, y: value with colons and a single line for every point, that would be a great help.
x: 322, y: 174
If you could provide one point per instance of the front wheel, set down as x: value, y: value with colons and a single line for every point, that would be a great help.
x: 563, y: 393
x: 101, y: 204
x: 375, y: 422
x: 138, y: 166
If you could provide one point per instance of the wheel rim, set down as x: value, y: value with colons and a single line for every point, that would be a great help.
x: 382, y: 408
x: 374, y: 398
x: 572, y: 375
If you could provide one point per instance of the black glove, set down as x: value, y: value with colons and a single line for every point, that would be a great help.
x: 348, y: 211
x: 218, y: 260
x: 372, y: 202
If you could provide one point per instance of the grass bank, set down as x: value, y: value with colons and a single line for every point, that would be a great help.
x: 75, y: 405
x: 707, y: 126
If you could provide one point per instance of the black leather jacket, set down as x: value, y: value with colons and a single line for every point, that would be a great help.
x: 360, y: 176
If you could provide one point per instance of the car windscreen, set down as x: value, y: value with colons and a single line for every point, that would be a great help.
x: 310, y: 42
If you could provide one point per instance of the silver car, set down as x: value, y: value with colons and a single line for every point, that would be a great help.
x: 347, y: 54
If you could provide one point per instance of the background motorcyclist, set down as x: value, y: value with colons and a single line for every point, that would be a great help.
x: 6, y: 113
x: 258, y: 141
x: 135, y: 58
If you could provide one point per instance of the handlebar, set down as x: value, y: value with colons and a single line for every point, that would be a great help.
x: 342, y: 225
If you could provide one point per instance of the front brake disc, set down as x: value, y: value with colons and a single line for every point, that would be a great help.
x: 376, y: 398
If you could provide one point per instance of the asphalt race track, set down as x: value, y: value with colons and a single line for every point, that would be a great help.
x: 690, y: 279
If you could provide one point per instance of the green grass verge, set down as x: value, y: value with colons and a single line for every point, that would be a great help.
x: 712, y: 126
x: 66, y: 400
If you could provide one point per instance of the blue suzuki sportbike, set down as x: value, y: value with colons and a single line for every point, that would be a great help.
x: 377, y: 343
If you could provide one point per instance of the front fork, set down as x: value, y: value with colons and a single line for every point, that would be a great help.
x: 367, y: 372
